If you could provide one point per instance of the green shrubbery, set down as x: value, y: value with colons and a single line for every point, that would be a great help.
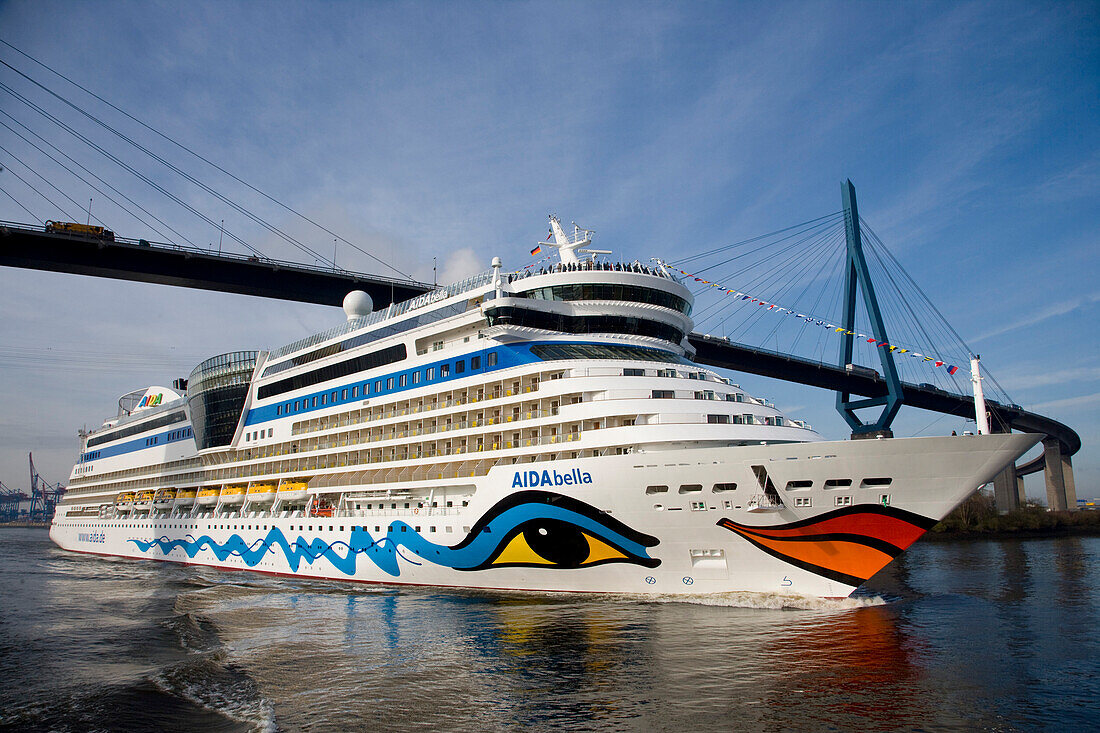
x: 978, y: 515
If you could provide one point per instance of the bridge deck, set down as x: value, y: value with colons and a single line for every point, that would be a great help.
x: 726, y: 354
x: 130, y: 259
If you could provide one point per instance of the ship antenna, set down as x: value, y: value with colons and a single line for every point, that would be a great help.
x: 567, y: 247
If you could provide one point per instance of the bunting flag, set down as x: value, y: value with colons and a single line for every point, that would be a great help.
x: 936, y: 361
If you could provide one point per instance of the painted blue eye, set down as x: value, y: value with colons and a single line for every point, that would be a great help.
x: 547, y: 530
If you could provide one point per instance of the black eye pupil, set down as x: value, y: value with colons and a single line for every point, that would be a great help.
x: 559, y: 542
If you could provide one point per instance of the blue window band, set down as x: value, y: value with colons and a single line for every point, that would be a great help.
x: 149, y: 441
x: 505, y: 357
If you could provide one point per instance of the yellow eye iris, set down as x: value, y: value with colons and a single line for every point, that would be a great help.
x: 553, y: 543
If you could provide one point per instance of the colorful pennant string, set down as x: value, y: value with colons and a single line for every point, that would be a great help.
x: 930, y: 360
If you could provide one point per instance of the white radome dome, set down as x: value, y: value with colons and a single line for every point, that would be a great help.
x: 357, y: 304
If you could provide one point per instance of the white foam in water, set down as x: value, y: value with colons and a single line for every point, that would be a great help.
x: 235, y: 704
x: 772, y: 601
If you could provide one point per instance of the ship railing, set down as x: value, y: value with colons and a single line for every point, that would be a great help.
x: 391, y: 311
x: 348, y: 420
x: 591, y: 266
x: 416, y: 512
x: 323, y: 443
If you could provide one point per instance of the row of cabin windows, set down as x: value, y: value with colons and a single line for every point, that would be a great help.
x: 842, y: 483
x: 231, y: 527
x: 839, y: 483
x: 408, y: 505
x: 669, y: 394
x: 405, y: 379
x: 692, y: 488
x: 179, y: 434
x: 800, y: 501
x: 746, y: 419
x: 258, y: 434
x: 672, y: 373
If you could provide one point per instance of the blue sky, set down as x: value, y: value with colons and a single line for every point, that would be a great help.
x: 450, y: 130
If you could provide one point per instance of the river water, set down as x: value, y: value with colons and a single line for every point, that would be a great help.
x: 998, y: 635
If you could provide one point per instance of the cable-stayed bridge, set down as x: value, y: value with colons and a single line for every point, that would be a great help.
x: 785, y: 303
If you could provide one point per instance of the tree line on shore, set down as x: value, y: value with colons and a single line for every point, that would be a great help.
x: 978, y: 516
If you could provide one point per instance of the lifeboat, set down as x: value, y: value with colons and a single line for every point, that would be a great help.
x: 125, y: 502
x: 207, y: 495
x: 233, y: 494
x: 165, y: 500
x: 294, y: 491
x: 185, y: 497
x: 261, y: 493
x: 145, y: 497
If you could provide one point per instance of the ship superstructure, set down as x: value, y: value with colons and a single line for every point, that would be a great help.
x: 543, y: 429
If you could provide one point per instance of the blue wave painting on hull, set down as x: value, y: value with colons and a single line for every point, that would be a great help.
x: 526, y: 529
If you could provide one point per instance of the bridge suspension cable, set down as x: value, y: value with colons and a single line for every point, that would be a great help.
x: 125, y: 166
x: 45, y: 180
x: 186, y: 176
x: 21, y: 206
x: 93, y: 186
x: 31, y: 186
x: 796, y: 271
x: 275, y: 230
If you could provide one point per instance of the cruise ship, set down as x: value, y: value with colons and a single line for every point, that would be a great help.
x: 538, y: 430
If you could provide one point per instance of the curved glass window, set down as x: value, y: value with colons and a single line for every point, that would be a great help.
x: 340, y: 369
x: 216, y: 393
x: 507, y: 315
x: 551, y: 352
x: 365, y: 338
x: 609, y: 291
x: 126, y: 432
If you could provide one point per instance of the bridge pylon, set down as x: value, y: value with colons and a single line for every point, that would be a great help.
x: 857, y: 281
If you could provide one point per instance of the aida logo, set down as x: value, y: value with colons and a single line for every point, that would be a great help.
x: 150, y: 400
x: 534, y: 479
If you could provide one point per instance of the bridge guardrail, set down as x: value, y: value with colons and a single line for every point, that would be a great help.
x: 260, y: 259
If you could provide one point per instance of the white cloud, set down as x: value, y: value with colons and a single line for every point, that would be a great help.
x: 1074, y: 375
x: 1051, y: 311
x: 1069, y: 404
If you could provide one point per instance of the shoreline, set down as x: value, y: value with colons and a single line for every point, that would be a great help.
x: 1039, y: 533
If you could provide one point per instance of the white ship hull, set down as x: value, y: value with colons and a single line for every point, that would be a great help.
x: 637, y: 542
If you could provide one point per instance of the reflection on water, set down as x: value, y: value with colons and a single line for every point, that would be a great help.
x: 952, y: 636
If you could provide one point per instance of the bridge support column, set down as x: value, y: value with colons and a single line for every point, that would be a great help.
x: 1020, y: 490
x: 1057, y: 499
x: 1006, y: 490
x: 1067, y: 479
